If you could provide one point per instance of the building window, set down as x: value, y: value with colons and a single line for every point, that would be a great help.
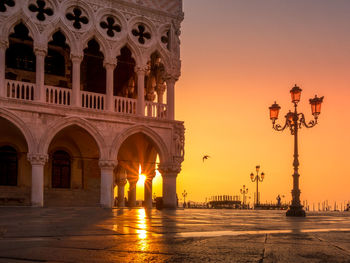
x: 61, y: 167
x: 20, y: 53
x: 55, y: 63
x: 93, y: 74
x: 8, y: 166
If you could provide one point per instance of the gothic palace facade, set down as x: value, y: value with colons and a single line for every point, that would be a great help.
x: 86, y: 98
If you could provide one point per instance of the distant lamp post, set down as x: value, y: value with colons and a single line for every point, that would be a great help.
x: 244, y: 191
x: 184, y: 194
x: 294, y: 121
x: 257, y: 179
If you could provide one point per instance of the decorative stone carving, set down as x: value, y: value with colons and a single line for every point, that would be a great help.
x: 107, y: 164
x: 37, y: 159
x: 179, y: 140
x: 165, y: 39
x: 4, y: 44
x: 141, y: 33
x: 40, y: 9
x: 4, y: 4
x: 169, y: 169
x: 77, y: 17
x: 110, y: 25
x: 76, y: 58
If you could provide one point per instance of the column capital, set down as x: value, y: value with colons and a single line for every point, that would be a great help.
x: 110, y: 63
x: 121, y: 182
x: 76, y: 58
x: 107, y: 164
x: 169, y: 169
x: 4, y: 44
x: 37, y: 159
x: 141, y: 70
x: 170, y: 79
x: 40, y: 51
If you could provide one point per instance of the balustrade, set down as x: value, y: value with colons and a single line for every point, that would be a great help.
x: 56, y: 95
x: 125, y: 105
x: 155, y: 110
x: 93, y: 100
x: 19, y: 90
x: 63, y: 96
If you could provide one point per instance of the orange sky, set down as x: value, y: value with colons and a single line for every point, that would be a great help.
x: 237, y: 58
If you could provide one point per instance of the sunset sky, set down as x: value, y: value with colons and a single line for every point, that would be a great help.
x: 238, y: 57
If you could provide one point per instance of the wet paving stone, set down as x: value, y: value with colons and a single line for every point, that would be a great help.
x: 137, y: 235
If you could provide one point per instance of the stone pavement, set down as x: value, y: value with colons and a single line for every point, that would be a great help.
x: 135, y: 235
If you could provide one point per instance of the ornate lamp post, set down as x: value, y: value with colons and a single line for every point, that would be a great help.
x: 184, y: 194
x: 294, y: 121
x: 244, y: 191
x: 257, y: 179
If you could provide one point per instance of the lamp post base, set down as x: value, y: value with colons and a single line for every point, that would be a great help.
x: 296, y: 211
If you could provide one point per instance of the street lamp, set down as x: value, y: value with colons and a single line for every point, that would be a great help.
x: 257, y: 179
x: 244, y: 191
x: 294, y: 121
x: 184, y: 194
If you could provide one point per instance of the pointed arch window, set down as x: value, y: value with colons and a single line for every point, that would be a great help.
x: 20, y: 53
x: 8, y: 166
x: 61, y: 169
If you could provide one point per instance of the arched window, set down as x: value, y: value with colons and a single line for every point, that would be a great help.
x: 61, y: 167
x: 57, y: 51
x: 93, y: 74
x: 8, y: 166
x: 20, y: 53
x: 125, y: 84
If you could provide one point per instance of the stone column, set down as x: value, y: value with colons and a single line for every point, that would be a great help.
x: 121, y: 182
x: 107, y: 183
x: 148, y: 192
x: 132, y: 194
x: 170, y: 82
x: 3, y: 47
x: 109, y: 85
x: 121, y: 193
x: 76, y: 61
x: 169, y: 173
x: 141, y: 72
x: 38, y: 162
x: 40, y: 54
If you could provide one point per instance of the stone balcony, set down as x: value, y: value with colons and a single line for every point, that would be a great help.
x: 25, y: 91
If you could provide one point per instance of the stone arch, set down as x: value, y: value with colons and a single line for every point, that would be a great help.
x: 14, y: 21
x: 16, y: 121
x: 56, y: 127
x: 94, y: 34
x: 135, y: 51
x: 156, y: 139
x: 163, y: 55
x: 70, y: 39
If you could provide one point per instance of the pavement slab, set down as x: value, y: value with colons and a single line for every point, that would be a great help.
x: 92, y: 234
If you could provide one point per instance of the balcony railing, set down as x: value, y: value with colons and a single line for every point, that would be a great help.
x: 155, y: 110
x: 90, y: 100
x: 19, y: 90
x: 125, y: 105
x: 55, y: 95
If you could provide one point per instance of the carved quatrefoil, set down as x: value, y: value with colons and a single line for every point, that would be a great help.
x: 141, y: 33
x: 77, y: 18
x: 40, y: 9
x: 4, y: 3
x: 110, y: 26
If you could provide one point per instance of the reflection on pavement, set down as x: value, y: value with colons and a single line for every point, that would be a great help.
x: 142, y: 230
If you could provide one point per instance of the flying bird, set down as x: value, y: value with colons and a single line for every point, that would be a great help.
x: 205, y: 157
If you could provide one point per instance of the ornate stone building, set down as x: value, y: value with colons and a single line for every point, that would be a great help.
x: 86, y: 97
